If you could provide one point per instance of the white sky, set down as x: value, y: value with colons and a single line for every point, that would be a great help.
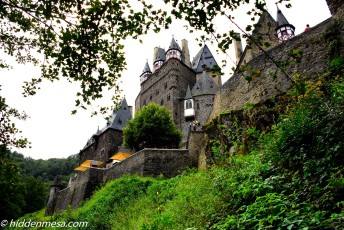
x: 55, y: 133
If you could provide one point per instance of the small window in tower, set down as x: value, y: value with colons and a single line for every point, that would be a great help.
x: 150, y: 97
x: 162, y: 102
x: 188, y: 104
x: 165, y: 86
x: 168, y: 97
x: 157, y: 92
x: 197, y: 106
x: 102, y: 152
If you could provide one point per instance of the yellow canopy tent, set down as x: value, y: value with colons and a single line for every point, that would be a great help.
x: 81, y: 168
x: 121, y: 156
x: 88, y: 164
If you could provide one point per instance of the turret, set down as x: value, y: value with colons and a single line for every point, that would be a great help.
x: 55, y: 188
x: 174, y: 51
x: 284, y: 30
x: 189, y: 105
x: 145, y: 73
x: 159, y: 58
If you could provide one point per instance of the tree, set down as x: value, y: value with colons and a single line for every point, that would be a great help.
x: 78, y: 40
x: 11, y: 189
x: 152, y: 127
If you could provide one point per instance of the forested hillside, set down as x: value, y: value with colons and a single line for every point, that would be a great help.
x: 46, y: 170
x: 24, y: 182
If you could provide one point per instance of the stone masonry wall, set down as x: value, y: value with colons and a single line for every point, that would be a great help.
x: 104, y: 147
x: 168, y: 162
x: 335, y: 6
x: 82, y: 187
x: 132, y: 165
x: 237, y: 91
x: 147, y: 162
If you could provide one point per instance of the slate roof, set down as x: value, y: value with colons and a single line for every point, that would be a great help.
x: 118, y: 120
x: 146, y: 68
x: 161, y: 55
x: 188, y: 94
x: 281, y: 20
x: 174, y: 45
x: 204, y: 85
x: 204, y: 56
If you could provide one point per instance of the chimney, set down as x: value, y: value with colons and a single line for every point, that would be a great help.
x: 238, y: 48
x: 155, y: 54
x: 185, y: 53
x: 131, y: 110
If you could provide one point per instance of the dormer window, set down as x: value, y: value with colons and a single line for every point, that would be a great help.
x: 188, y: 108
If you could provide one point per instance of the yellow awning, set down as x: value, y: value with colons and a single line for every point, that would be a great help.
x: 81, y: 168
x: 121, y: 156
x: 87, y: 163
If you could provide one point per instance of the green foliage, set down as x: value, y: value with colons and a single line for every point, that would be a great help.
x: 11, y: 190
x: 292, y: 180
x: 81, y: 41
x: 46, y: 170
x: 8, y: 131
x: 152, y: 127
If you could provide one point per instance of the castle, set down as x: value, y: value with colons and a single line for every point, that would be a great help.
x: 189, y: 91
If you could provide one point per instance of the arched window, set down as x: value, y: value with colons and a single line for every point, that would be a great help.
x: 188, y: 104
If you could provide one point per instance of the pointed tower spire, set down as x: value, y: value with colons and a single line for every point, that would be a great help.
x: 188, y: 93
x: 174, y: 50
x: 159, y: 58
x: 285, y: 30
x: 145, y: 73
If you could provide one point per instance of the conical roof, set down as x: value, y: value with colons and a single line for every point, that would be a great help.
x: 146, y: 68
x: 160, y: 56
x: 281, y: 20
x: 203, y: 57
x: 204, y: 85
x: 188, y: 94
x: 174, y: 46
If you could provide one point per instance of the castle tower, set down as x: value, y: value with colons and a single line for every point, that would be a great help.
x: 203, y: 93
x: 284, y: 30
x: 189, y: 105
x: 145, y: 73
x: 174, y: 51
x: 186, y: 53
x: 55, y: 188
x: 159, y: 58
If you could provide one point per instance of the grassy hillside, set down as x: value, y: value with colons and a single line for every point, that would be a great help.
x: 289, y: 178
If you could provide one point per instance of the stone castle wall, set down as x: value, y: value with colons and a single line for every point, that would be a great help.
x: 80, y: 188
x: 147, y: 162
x: 335, y: 6
x: 237, y: 92
x: 104, y: 146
